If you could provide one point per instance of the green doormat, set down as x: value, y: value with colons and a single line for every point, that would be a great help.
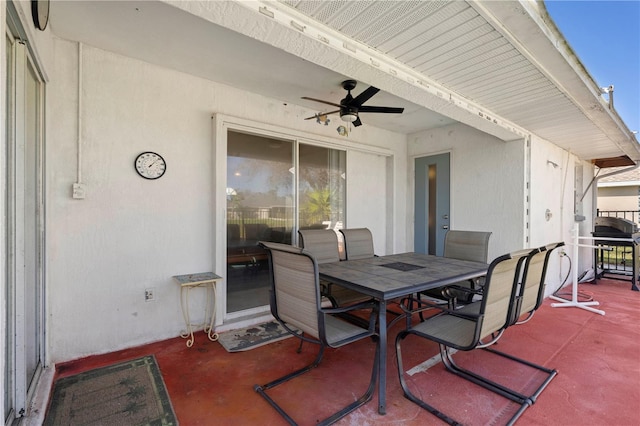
x: 253, y: 337
x: 128, y: 393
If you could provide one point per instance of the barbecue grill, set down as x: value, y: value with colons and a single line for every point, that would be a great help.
x: 623, y: 237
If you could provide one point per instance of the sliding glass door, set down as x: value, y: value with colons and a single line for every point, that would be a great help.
x: 268, y: 200
x: 321, y: 187
x: 260, y: 206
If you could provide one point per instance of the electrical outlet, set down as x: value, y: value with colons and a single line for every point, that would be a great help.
x: 149, y: 295
x: 562, y: 253
x: 79, y: 190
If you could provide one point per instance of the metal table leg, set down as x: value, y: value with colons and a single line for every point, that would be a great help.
x: 382, y: 367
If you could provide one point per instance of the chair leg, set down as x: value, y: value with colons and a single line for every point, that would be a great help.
x: 366, y: 397
x: 260, y: 389
x: 551, y: 373
x: 398, y: 317
x: 524, y: 400
x: 405, y: 388
x: 418, y: 301
x: 450, y: 364
x: 298, y: 334
x: 529, y: 316
x: 446, y: 358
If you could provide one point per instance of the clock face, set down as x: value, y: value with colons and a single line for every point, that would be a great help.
x: 150, y: 165
x: 40, y: 13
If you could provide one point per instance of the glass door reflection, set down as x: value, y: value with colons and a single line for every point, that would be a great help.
x: 260, y: 206
x: 268, y: 201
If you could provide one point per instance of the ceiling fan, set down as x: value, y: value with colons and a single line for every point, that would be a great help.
x: 350, y: 107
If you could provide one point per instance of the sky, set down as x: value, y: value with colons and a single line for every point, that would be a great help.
x: 605, y: 35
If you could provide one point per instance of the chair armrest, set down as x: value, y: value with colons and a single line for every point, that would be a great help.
x: 447, y: 290
x: 443, y: 311
x: 427, y: 304
x: 457, y: 313
x: 423, y: 305
x: 464, y: 315
x: 356, y: 307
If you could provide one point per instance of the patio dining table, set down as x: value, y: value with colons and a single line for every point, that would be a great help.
x: 386, y: 278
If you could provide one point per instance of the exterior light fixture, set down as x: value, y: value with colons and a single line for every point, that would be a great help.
x: 322, y: 119
x: 349, y: 117
x: 342, y: 131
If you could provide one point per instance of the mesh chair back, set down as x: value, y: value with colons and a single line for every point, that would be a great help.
x: 532, y: 292
x: 358, y: 243
x: 531, y: 282
x: 467, y: 245
x: 321, y: 243
x: 294, y: 285
x: 499, y: 292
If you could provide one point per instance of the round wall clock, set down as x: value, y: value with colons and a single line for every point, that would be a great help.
x: 40, y: 13
x: 150, y: 165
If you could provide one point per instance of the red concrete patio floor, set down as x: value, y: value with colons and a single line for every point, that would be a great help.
x: 597, y: 358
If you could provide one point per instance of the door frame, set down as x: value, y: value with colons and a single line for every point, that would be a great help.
x: 221, y: 124
x: 19, y: 388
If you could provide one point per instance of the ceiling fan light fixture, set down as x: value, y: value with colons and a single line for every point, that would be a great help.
x: 350, y: 107
x: 349, y: 117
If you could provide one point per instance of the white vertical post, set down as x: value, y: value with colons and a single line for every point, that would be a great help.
x: 574, y: 303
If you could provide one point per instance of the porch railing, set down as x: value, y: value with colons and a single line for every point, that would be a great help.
x: 631, y: 215
x: 263, y: 219
x: 620, y: 259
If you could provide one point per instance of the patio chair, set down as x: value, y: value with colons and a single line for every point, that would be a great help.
x: 323, y: 245
x: 463, y: 245
x: 296, y: 303
x: 464, y: 329
x: 358, y: 243
x: 531, y: 293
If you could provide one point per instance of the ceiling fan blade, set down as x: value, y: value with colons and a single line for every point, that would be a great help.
x: 364, y: 96
x: 321, y: 114
x: 357, y: 122
x: 386, y: 110
x: 323, y: 102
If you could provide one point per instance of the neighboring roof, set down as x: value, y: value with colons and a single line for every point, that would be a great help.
x: 499, y: 66
x: 630, y: 178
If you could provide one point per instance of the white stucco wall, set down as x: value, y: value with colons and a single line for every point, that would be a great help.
x: 130, y: 234
x: 487, y: 181
x: 552, y: 188
x: 366, y: 177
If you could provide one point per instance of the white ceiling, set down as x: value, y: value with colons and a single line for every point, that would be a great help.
x: 158, y: 33
x: 513, y: 72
